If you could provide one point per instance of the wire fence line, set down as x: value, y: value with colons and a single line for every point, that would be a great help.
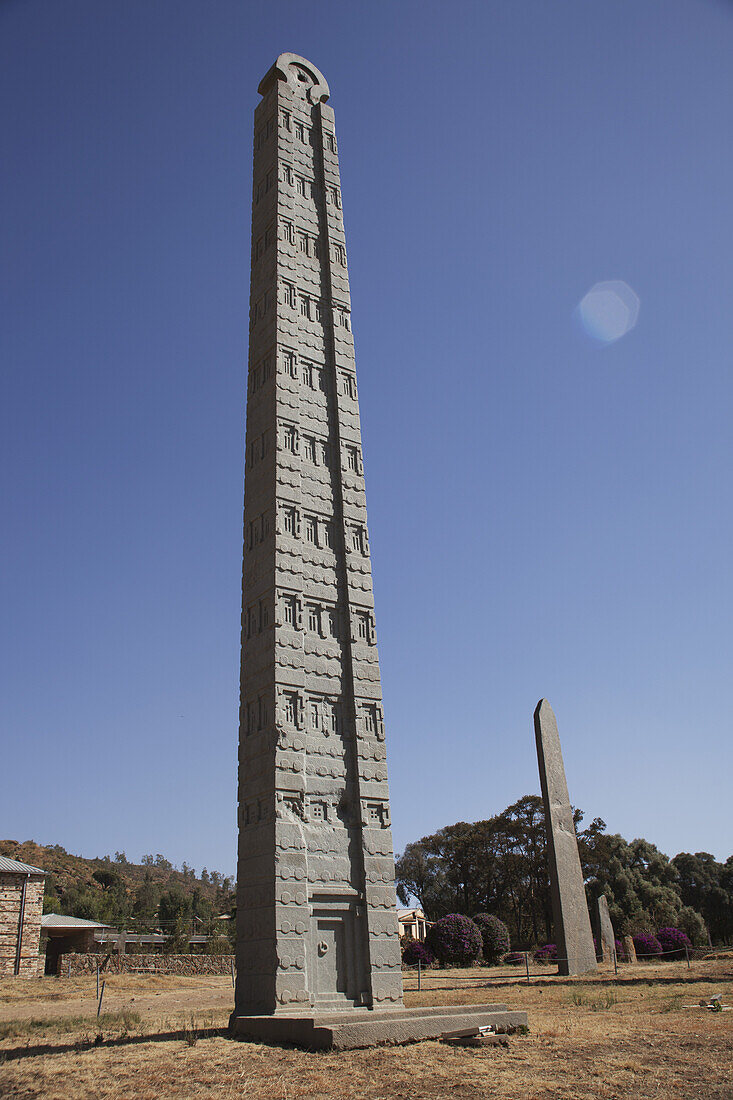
x: 523, y: 971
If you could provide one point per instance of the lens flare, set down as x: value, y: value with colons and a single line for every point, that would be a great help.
x: 609, y: 310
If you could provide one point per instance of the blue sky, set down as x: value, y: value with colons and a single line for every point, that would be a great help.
x: 549, y: 516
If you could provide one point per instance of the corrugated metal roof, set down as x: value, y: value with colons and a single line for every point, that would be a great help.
x: 56, y: 920
x: 14, y: 867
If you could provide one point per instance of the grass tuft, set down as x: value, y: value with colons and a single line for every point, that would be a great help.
x: 190, y: 1032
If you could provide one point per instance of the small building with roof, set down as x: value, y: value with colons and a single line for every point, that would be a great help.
x: 21, y: 906
x: 412, y: 924
x: 69, y: 935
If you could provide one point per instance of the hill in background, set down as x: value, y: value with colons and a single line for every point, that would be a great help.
x: 142, y: 896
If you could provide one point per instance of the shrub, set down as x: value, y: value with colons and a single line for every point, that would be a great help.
x: 546, y: 954
x: 514, y: 958
x: 455, y: 939
x: 494, y: 937
x: 646, y: 944
x: 415, y: 952
x: 673, y: 942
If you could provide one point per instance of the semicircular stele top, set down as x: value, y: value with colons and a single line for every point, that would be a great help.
x: 301, y: 74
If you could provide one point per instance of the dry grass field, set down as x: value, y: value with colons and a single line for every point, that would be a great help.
x: 163, y: 1038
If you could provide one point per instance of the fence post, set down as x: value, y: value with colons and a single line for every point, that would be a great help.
x: 99, y: 1006
x: 615, y: 962
x: 97, y: 981
x: 526, y: 964
x: 419, y: 975
x: 687, y: 956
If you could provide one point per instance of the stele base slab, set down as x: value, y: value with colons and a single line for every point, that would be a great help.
x: 365, y: 1028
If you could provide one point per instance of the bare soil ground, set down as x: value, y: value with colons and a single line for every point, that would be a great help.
x: 163, y: 1038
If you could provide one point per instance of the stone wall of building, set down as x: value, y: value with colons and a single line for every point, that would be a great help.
x: 11, y: 892
x: 160, y: 964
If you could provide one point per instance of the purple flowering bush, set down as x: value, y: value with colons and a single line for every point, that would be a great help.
x: 646, y: 944
x: 673, y: 942
x: 455, y: 939
x: 415, y: 952
x: 546, y: 954
x: 494, y: 936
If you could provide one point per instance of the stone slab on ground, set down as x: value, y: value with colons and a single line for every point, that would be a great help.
x: 365, y: 1028
x: 490, y: 1040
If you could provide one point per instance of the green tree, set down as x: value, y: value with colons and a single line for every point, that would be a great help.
x: 174, y: 906
x: 202, y: 911
x: 114, y: 906
x: 497, y: 866
x: 421, y: 874
x: 145, y: 906
x: 108, y: 880
x: 641, y: 885
x: 707, y: 886
x: 84, y: 902
x: 179, y: 941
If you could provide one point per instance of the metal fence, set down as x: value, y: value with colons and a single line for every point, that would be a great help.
x: 526, y: 970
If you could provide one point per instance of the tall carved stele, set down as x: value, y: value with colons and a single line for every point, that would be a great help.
x: 576, y: 953
x: 316, y: 920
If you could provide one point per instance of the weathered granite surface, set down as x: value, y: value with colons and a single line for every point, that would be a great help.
x: 630, y: 949
x: 575, y: 950
x: 603, y: 929
x: 316, y: 920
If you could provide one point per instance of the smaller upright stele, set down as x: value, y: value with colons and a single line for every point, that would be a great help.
x: 575, y: 950
x: 603, y: 929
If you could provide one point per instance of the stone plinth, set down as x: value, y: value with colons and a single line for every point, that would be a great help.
x: 575, y: 951
x: 362, y: 1028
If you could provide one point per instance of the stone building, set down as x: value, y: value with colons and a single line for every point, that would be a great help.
x: 317, y: 926
x: 412, y: 924
x: 21, y: 905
